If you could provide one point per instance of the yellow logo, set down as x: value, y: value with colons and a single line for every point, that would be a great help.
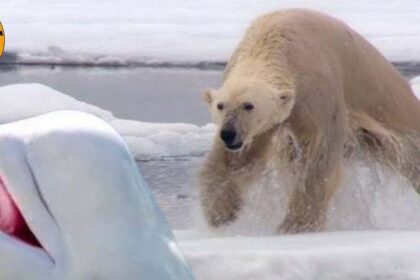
x: 2, y: 39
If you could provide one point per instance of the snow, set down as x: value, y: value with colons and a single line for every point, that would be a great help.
x: 326, y: 256
x: 146, y: 140
x: 131, y: 31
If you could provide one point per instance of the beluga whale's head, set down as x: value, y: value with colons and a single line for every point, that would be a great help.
x: 74, y: 207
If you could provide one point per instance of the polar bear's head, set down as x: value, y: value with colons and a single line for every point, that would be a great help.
x: 244, y: 111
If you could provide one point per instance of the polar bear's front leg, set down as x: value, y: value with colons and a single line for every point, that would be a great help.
x: 220, y: 195
x: 220, y: 201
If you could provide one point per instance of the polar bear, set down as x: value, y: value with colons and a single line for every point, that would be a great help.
x: 307, y: 91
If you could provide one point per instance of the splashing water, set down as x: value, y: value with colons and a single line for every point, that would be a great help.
x: 370, y: 197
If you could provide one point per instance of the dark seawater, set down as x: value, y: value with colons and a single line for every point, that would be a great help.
x: 144, y: 94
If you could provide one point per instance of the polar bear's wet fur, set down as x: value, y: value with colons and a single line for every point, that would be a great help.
x: 307, y: 92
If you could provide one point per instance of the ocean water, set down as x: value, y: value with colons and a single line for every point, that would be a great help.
x: 144, y: 94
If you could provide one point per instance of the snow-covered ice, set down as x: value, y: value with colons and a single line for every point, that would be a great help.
x: 349, y: 255
x: 131, y: 31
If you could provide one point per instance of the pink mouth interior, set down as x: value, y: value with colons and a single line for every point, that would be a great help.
x: 11, y: 219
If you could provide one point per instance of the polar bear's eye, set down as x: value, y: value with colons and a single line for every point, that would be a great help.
x: 248, y: 106
x: 220, y: 106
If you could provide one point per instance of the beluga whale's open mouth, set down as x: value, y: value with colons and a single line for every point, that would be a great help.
x: 74, y: 207
x: 11, y: 219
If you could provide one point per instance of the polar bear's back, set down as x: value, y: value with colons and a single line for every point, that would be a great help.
x: 305, y: 49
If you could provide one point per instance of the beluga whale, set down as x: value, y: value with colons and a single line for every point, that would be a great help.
x: 73, y: 206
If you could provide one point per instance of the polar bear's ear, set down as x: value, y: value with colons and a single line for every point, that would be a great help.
x: 208, y: 95
x: 286, y: 95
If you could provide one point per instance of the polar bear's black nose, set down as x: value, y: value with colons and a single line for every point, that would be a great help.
x: 228, y: 136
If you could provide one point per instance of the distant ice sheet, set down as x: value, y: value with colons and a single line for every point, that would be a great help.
x: 131, y: 31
